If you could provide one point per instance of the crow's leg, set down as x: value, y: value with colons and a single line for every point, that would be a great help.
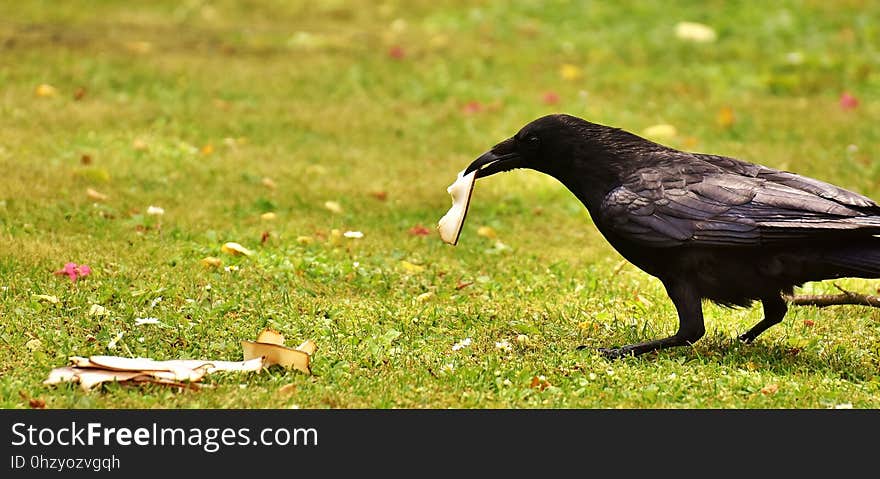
x: 774, y: 311
x: 690, y: 324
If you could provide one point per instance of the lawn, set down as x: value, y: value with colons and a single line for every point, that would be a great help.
x: 355, y: 116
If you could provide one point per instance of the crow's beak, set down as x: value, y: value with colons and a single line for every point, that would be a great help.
x: 489, y: 163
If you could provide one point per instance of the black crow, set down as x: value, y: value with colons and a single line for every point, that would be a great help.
x: 709, y: 227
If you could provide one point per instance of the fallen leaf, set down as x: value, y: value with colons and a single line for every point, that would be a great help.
x: 95, y: 195
x: 46, y: 297
x: 487, y: 232
x: 695, y: 32
x: 540, y: 383
x: 725, y: 117
x: 98, y: 310
x: 139, y: 47
x: 34, y: 403
x: 207, y: 149
x: 424, y: 297
x: 463, y: 284
x: 770, y: 389
x: 139, y: 144
x: 410, y: 267
x: 143, y: 321
x: 79, y: 93
x: 809, y: 323
x: 45, y: 90
x: 353, y: 234
x: 472, y: 107
x: 268, y: 216
x: 643, y: 301
x: 212, y: 261
x: 333, y: 206
x: 34, y: 344
x: 306, y: 240
x: 155, y: 210
x: 419, y: 230
x: 85, y: 159
x: 268, y: 183
x: 235, y: 249
x: 569, y: 72
x: 379, y: 195
x: 397, y: 52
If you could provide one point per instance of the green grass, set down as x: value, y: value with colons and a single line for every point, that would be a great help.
x: 189, y: 105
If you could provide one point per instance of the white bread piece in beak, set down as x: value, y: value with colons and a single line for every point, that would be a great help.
x: 450, y: 224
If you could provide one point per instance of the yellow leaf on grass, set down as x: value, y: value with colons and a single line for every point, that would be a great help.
x: 487, y: 232
x: 47, y: 298
x: 211, y: 261
x: 95, y: 195
x: 569, y: 72
x: 235, y: 249
x: 139, y: 47
x: 45, y: 90
x: 34, y: 344
x: 333, y: 206
x: 725, y: 117
x: 268, y: 216
x: 410, y: 267
x: 695, y: 32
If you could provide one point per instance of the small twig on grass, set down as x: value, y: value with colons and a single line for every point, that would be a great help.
x: 846, y: 297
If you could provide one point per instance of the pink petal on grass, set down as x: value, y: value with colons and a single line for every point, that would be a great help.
x: 396, y: 52
x: 419, y: 230
x: 472, y: 107
x: 550, y: 98
x: 848, y: 102
x: 74, y: 271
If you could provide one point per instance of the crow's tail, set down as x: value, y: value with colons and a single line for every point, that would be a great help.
x: 861, y: 260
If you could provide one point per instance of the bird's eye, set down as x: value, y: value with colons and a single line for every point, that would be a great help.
x: 532, y: 141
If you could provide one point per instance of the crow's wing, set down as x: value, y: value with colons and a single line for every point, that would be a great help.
x: 726, y: 202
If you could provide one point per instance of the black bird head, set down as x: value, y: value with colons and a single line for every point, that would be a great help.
x: 544, y: 145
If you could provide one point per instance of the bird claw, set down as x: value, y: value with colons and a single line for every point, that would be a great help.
x: 746, y: 338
